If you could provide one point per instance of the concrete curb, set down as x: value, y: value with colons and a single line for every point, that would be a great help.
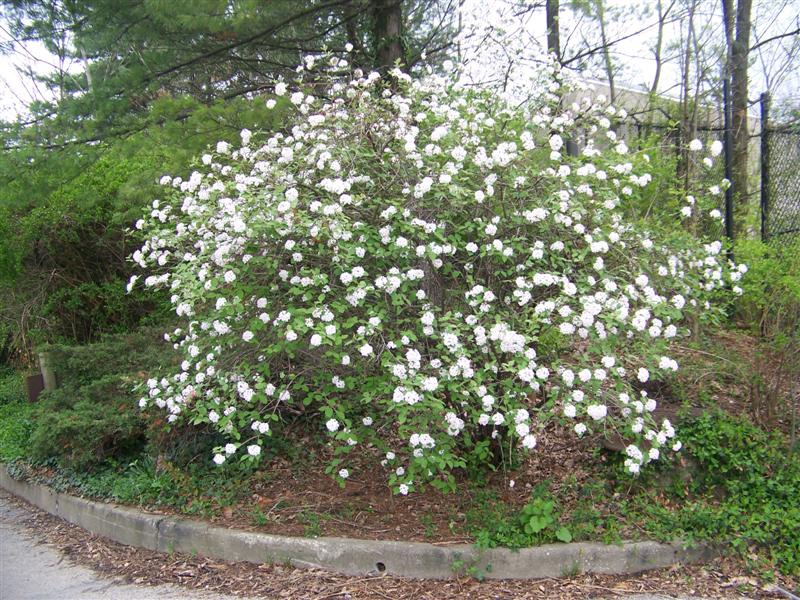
x: 350, y: 556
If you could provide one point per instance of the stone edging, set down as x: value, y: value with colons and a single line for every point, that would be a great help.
x: 350, y: 556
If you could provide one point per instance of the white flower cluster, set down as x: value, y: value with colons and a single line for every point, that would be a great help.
x: 420, y: 264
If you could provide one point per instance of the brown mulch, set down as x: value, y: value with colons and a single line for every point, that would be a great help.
x: 284, y: 500
x: 723, y: 578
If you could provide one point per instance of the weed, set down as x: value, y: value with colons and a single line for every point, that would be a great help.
x: 431, y: 529
x: 493, y: 524
x: 462, y: 567
x: 572, y: 570
x: 313, y: 523
x: 258, y: 517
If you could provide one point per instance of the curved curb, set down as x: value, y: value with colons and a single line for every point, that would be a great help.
x: 350, y: 556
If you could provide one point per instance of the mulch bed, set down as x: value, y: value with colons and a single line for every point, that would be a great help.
x: 723, y: 578
x: 288, y: 497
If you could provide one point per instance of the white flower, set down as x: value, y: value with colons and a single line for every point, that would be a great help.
x: 219, y: 459
x: 366, y: 350
x: 716, y: 148
x: 403, y: 489
x: 344, y: 473
x: 695, y: 145
x: 430, y: 384
x: 254, y: 449
x: 597, y: 411
x: 223, y: 147
x: 247, y: 336
x: 643, y: 374
x: 332, y: 425
x: 280, y: 88
x: 316, y: 340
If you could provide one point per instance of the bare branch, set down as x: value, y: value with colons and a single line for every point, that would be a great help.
x: 775, y: 37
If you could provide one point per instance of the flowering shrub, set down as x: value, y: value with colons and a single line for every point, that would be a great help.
x: 421, y: 270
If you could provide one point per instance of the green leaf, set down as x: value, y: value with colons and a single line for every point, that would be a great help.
x: 538, y: 523
x: 563, y: 535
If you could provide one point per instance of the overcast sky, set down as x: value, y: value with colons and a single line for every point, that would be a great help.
x: 770, y: 68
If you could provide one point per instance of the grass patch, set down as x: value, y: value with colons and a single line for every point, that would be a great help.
x: 16, y: 413
x: 492, y: 523
x: 739, y: 486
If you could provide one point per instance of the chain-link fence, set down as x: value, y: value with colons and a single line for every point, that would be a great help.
x: 780, y: 186
x: 774, y: 156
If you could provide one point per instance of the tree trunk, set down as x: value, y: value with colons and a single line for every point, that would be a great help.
x: 387, y: 30
x: 553, y: 39
x: 739, y: 55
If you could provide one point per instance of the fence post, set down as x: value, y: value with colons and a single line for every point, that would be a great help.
x: 764, y: 164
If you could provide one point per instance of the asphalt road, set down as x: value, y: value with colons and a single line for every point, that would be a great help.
x: 30, y: 570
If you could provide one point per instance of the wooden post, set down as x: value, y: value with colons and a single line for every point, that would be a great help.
x: 48, y: 375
